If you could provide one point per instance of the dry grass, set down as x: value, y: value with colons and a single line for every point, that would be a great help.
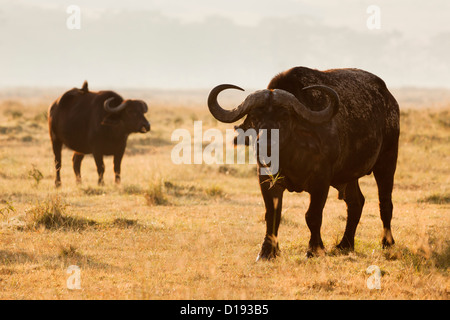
x: 194, y: 231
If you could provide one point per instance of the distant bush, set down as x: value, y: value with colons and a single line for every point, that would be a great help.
x: 15, y: 114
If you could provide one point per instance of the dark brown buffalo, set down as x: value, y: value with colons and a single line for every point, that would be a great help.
x: 334, y: 126
x: 95, y: 123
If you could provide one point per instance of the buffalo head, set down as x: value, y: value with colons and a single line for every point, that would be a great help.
x: 130, y: 113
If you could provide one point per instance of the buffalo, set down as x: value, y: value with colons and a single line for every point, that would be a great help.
x: 96, y: 123
x: 335, y: 126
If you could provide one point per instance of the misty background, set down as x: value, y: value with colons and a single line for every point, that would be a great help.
x: 174, y: 44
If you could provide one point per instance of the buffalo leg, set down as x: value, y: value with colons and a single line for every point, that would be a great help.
x: 384, y: 176
x: 76, y: 159
x: 117, y: 162
x: 100, y: 167
x: 57, y: 147
x: 273, y: 196
x: 354, y: 199
x: 314, y: 220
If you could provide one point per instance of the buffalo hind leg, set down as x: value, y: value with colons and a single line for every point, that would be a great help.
x: 273, y: 196
x: 76, y: 160
x: 314, y: 221
x: 354, y: 200
x: 57, y: 147
x: 100, y: 168
x: 384, y: 176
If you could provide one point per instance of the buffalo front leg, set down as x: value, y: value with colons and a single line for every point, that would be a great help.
x: 57, y: 147
x: 314, y: 221
x: 76, y: 160
x: 117, y: 162
x: 100, y: 167
x: 273, y: 196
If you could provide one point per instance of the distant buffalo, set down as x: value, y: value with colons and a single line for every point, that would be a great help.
x: 95, y: 123
x: 334, y: 127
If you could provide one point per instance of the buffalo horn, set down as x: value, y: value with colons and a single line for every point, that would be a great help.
x: 314, y: 117
x: 281, y: 97
x: 228, y: 116
x: 108, y: 108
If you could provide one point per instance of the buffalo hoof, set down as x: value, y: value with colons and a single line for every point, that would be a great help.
x: 101, y: 182
x: 57, y: 183
x: 386, y: 243
x: 345, y: 245
x: 318, y: 251
x: 117, y: 180
x: 388, y: 240
x: 270, y: 249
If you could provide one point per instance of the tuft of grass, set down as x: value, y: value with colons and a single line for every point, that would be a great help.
x: 51, y: 214
x: 179, y: 190
x: 214, y: 191
x: 27, y: 138
x: 70, y: 254
x: 41, y: 117
x: 93, y: 191
x: 155, y: 193
x: 67, y: 252
x: 132, y: 189
x: 436, y: 198
x: 124, y: 223
x: 178, y: 120
x: 7, y: 208
x: 442, y: 258
x: 228, y: 170
x: 36, y: 174
x: 328, y: 285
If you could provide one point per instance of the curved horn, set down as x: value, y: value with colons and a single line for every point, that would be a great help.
x: 314, y: 117
x: 221, y: 114
x: 108, y: 108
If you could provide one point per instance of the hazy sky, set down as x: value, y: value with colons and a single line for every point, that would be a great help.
x: 200, y: 43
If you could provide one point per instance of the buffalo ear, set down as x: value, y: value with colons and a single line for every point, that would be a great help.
x: 110, y: 120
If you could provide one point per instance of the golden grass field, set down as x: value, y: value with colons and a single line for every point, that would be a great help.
x: 193, y: 231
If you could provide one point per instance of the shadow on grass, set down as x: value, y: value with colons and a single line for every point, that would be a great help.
x: 19, y: 257
x: 67, y: 255
x: 70, y: 255
x: 124, y: 223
